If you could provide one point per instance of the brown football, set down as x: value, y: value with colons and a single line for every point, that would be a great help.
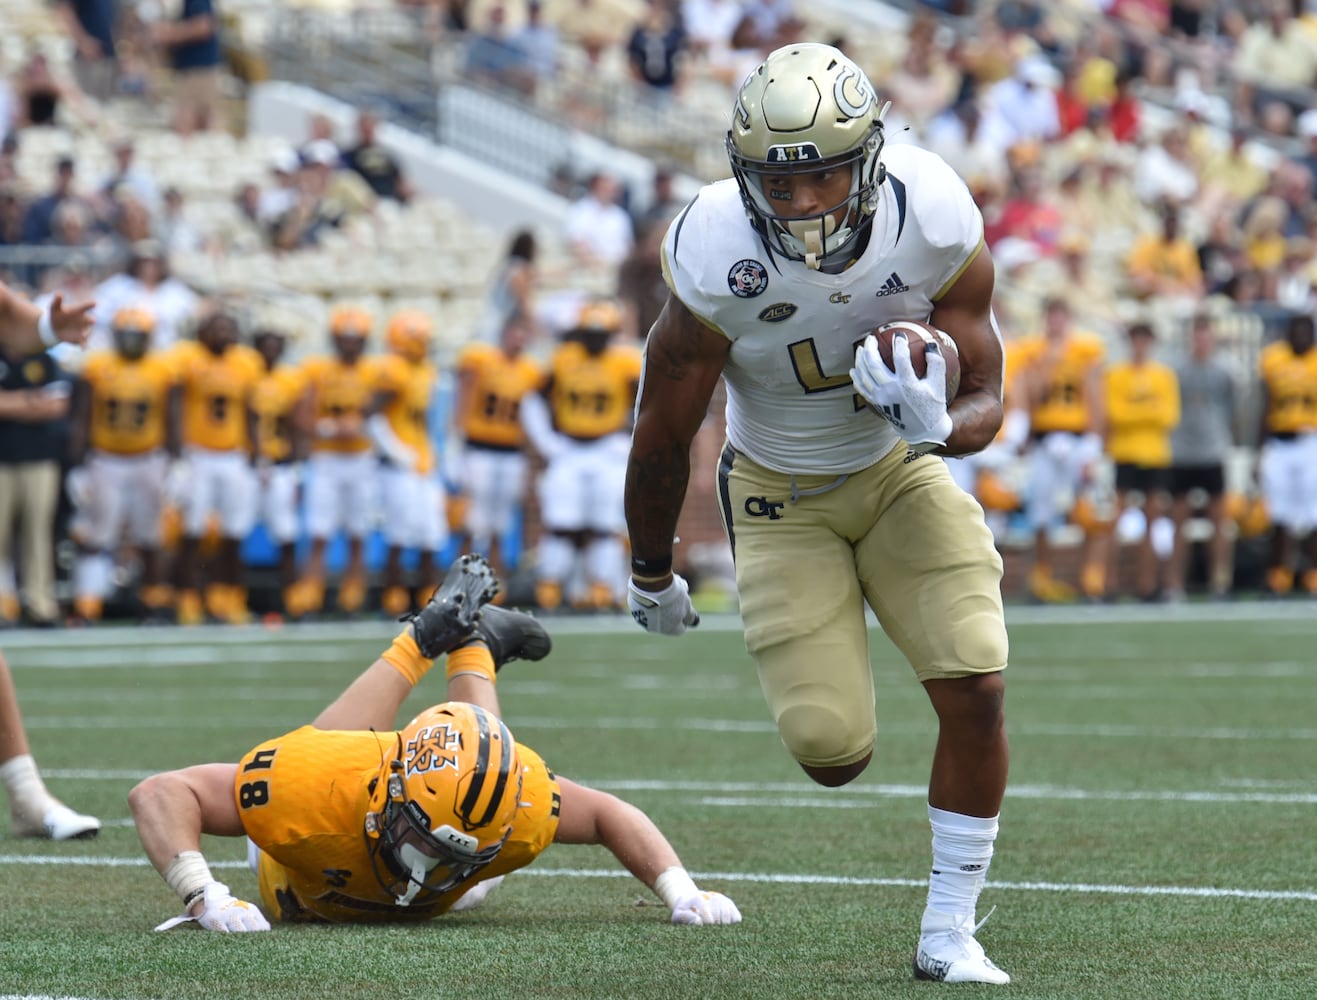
x: 919, y: 334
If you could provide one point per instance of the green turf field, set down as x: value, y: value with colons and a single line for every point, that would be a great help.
x: 1157, y: 841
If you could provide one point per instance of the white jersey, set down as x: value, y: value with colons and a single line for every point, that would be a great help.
x: 790, y: 404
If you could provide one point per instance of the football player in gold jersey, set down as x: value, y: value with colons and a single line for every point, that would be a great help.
x: 340, y: 490
x: 492, y: 382
x: 580, y: 422
x: 1287, y: 446
x: 351, y: 820
x: 123, y: 437
x: 1059, y: 383
x: 217, y: 375
x: 412, y: 495
x: 281, y: 416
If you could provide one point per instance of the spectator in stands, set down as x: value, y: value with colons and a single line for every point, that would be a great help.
x: 539, y: 44
x: 1030, y: 214
x: 493, y: 58
x: 90, y: 24
x: 192, y: 43
x: 512, y: 291
x: 923, y: 83
x: 1142, y: 407
x: 598, y: 229
x: 663, y: 205
x: 37, y: 223
x: 1275, y: 58
x: 709, y: 26
x: 1124, y: 115
x: 378, y: 167
x: 275, y: 200
x: 1220, y: 256
x: 957, y: 136
x: 1022, y: 108
x: 1230, y: 176
x: 34, y: 406
x: 641, y: 290
x: 1263, y: 240
x: 1294, y: 184
x: 13, y: 211
x: 1165, y: 171
x: 146, y: 283
x: 127, y: 173
x: 320, y: 136
x: 1165, y: 264
x: 173, y: 230
x: 1305, y: 127
x: 324, y: 199
x: 1209, y: 418
x: 39, y: 94
x: 655, y: 49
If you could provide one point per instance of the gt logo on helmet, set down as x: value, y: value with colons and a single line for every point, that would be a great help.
x: 863, y: 91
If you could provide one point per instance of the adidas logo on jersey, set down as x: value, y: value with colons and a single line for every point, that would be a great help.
x: 893, y: 286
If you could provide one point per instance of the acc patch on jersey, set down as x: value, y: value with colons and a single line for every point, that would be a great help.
x: 747, y: 278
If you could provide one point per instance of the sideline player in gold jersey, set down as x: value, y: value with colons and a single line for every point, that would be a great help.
x: 124, y: 434
x: 588, y: 396
x: 492, y: 382
x: 412, y: 496
x: 1059, y: 383
x: 217, y: 375
x: 1287, y: 445
x: 340, y: 490
x: 352, y: 821
x: 281, y: 416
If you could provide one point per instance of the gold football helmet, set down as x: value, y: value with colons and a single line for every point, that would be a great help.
x: 132, y: 329
x: 350, y: 321
x: 409, y: 334
x: 808, y: 108
x: 442, y: 807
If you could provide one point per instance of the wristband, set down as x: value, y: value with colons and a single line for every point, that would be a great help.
x: 651, y: 569
x: 188, y: 875
x: 674, y: 884
x: 45, y: 329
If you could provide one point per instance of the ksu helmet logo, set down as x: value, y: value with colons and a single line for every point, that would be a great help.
x: 747, y: 278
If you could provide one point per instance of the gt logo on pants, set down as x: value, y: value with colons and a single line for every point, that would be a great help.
x: 763, y: 507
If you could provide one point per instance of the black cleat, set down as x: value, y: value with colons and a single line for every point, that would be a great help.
x: 512, y: 635
x: 450, y: 616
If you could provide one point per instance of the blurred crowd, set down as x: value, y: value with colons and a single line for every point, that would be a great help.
x: 1145, y: 171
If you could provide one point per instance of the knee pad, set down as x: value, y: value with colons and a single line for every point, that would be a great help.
x: 819, y: 737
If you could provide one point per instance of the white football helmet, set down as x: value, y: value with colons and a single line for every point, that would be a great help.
x: 806, y: 108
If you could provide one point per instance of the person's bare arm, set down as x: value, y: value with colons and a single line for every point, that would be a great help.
x: 173, y: 809
x: 964, y: 312
x: 20, y: 322
x: 683, y: 361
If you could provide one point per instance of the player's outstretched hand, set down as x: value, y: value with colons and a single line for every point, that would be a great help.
x: 222, y: 912
x: 705, y: 909
x: 73, y: 324
x: 668, y: 611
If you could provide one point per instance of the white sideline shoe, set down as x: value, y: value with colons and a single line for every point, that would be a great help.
x: 58, y: 822
x: 948, y: 953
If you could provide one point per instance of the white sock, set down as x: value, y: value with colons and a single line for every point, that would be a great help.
x: 962, y: 851
x: 27, y: 792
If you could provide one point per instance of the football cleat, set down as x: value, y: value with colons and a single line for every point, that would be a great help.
x: 58, y: 822
x: 450, y: 616
x: 512, y: 635
x: 948, y: 952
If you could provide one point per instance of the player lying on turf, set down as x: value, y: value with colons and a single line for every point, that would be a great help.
x: 351, y: 820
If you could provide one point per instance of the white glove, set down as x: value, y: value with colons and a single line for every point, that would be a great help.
x: 705, y: 909
x: 668, y: 611
x: 221, y: 912
x: 915, y: 407
x: 77, y: 484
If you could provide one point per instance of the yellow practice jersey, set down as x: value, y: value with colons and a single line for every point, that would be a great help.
x: 216, y: 389
x: 303, y: 800
x: 274, y: 400
x: 411, y: 387
x: 1143, y: 407
x: 340, y: 391
x: 592, y: 396
x: 1063, y: 404
x: 492, y: 416
x: 1291, y: 381
x: 128, y: 401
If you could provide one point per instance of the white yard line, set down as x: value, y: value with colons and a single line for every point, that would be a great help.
x: 1200, y: 892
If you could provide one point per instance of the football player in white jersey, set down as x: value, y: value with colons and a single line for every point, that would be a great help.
x: 776, y: 278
